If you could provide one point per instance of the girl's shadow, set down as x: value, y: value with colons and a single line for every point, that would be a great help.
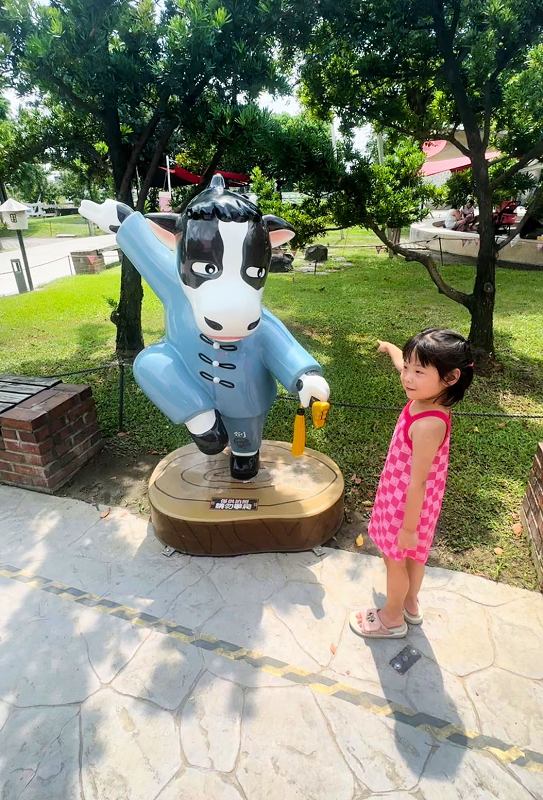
x: 433, y: 713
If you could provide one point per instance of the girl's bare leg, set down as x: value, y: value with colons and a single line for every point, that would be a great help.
x: 415, y: 573
x: 397, y: 588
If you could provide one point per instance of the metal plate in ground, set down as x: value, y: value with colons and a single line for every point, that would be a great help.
x: 405, y: 659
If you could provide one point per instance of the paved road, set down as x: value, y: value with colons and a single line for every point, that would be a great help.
x: 48, y: 261
x: 125, y: 674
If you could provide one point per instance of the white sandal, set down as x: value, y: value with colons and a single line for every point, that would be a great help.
x: 371, y: 627
x: 413, y: 619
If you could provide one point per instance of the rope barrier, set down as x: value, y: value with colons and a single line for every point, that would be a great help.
x: 82, y: 371
x: 46, y: 263
x: 36, y: 266
x: 121, y: 364
x: 410, y: 244
x: 397, y: 409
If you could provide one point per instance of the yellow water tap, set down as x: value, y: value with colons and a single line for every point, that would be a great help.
x: 319, y: 411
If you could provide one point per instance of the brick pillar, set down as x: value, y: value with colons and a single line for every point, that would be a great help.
x: 45, y: 439
x: 532, y: 511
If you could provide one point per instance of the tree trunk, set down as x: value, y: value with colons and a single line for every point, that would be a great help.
x: 127, y: 315
x: 482, y: 306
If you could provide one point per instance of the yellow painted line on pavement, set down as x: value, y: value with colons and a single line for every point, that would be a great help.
x: 442, y: 730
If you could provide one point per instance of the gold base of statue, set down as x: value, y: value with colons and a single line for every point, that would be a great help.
x: 292, y: 504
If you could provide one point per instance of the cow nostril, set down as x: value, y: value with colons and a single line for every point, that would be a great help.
x: 212, y: 324
x: 253, y: 325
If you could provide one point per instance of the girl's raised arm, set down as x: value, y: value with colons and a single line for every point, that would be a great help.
x: 394, y: 352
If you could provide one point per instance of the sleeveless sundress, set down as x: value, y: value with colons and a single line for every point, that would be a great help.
x: 389, y: 506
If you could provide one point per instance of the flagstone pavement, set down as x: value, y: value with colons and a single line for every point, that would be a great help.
x: 128, y: 675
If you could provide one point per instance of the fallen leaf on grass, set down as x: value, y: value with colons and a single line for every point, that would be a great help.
x: 333, y: 649
x: 122, y: 433
x: 498, y: 551
x: 517, y: 529
x: 105, y: 513
x: 367, y: 503
x: 359, y: 541
x: 356, y: 479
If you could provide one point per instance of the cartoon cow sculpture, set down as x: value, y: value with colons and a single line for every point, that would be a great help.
x: 217, y: 366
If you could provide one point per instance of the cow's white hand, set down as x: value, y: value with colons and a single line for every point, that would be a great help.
x: 312, y: 385
x: 108, y: 215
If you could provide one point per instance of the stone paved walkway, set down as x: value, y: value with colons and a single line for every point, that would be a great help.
x: 126, y: 675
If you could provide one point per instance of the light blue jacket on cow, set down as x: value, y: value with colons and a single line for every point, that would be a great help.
x: 187, y: 372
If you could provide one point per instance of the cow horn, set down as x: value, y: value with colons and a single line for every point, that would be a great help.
x: 217, y: 183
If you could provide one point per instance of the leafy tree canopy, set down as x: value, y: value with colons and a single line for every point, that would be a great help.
x: 139, y: 71
x: 309, y: 219
x: 419, y: 66
x: 387, y: 195
x: 426, y: 69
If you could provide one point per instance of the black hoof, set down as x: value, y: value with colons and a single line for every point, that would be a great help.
x: 243, y: 468
x: 213, y: 441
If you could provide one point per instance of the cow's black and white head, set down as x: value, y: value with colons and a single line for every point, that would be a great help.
x: 223, y: 246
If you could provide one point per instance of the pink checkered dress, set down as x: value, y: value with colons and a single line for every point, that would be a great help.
x: 389, y: 506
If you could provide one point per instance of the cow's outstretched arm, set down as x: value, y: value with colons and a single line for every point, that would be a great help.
x: 154, y: 261
x: 287, y: 360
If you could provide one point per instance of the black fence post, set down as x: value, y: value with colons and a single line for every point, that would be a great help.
x: 121, y: 396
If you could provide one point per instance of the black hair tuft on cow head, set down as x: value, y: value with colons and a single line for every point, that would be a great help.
x: 217, y: 202
x: 168, y: 221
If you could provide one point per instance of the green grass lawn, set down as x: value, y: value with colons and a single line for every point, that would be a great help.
x: 50, y: 227
x: 339, y: 317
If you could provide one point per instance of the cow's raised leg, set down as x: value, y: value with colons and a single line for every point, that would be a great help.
x: 165, y: 380
x: 208, y: 432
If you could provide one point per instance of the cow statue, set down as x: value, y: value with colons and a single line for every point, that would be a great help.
x: 216, y: 368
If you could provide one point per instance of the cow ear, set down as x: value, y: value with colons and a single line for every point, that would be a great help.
x: 279, y: 230
x: 164, y: 226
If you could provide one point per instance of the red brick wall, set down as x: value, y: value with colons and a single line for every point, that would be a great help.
x: 44, y: 440
x: 532, y: 511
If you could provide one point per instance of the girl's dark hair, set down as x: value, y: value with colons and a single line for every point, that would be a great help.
x: 446, y: 351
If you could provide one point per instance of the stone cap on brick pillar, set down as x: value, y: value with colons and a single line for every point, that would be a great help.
x: 33, y: 412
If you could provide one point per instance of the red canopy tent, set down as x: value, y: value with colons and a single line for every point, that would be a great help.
x: 186, y: 177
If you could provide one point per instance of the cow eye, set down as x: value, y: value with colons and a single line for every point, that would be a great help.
x: 205, y: 268
x: 255, y: 272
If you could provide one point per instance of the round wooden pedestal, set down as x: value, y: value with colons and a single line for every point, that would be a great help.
x: 197, y: 508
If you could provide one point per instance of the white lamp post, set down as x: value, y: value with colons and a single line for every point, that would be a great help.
x: 15, y: 217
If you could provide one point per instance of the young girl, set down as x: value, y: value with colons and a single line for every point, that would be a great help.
x: 436, y: 368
